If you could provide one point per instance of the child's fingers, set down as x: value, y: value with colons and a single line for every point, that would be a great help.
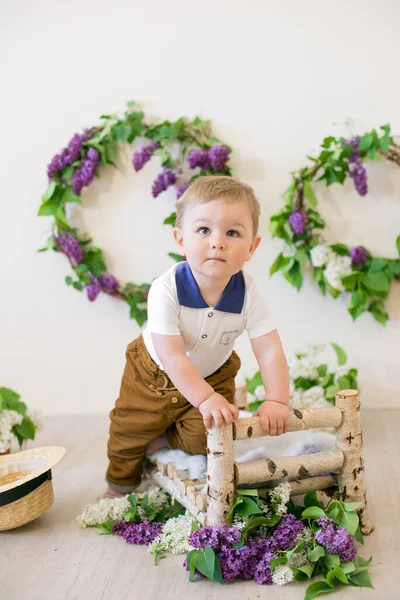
x: 217, y: 416
x: 265, y: 423
x: 272, y: 426
x: 234, y: 411
x: 228, y: 417
x: 207, y: 419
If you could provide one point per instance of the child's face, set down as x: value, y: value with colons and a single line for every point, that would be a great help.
x: 217, y: 238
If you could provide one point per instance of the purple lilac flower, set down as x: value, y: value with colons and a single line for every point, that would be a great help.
x: 285, y: 533
x: 298, y: 220
x: 138, y: 533
x: 336, y: 539
x: 243, y: 562
x: 84, y: 175
x: 357, y: 170
x: 68, y: 154
x: 218, y: 156
x: 142, y: 156
x: 181, y: 189
x: 199, y: 158
x: 216, y: 537
x: 358, y: 255
x: 262, y: 574
x: 108, y: 283
x: 70, y: 246
x: 166, y: 178
x: 93, y: 289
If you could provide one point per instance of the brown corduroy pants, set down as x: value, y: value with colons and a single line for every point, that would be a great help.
x: 148, y: 406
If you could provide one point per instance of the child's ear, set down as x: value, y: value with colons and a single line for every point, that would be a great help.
x: 256, y: 242
x: 178, y: 237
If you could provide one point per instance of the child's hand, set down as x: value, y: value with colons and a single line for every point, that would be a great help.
x: 274, y: 417
x: 218, y: 408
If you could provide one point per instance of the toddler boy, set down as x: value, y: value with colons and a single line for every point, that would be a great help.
x: 180, y: 373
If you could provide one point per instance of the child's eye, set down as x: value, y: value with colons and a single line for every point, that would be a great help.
x: 203, y: 230
x: 232, y: 233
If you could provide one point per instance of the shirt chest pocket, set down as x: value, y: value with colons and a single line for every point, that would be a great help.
x: 227, y: 337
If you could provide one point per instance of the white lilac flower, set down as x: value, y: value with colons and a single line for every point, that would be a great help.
x: 321, y: 255
x: 339, y: 265
x: 174, y: 538
x: 306, y: 536
x: 239, y: 521
x: 312, y: 349
x: 8, y: 418
x: 282, y: 574
x: 298, y: 559
x: 313, y: 394
x: 305, y: 367
x: 279, y: 498
x: 103, y: 510
x: 289, y: 251
x: 158, y: 499
x: 259, y: 392
x: 36, y: 416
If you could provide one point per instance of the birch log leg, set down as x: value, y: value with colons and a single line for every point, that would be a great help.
x: 351, y: 476
x: 221, y: 485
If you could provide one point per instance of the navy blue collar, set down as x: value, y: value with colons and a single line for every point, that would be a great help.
x: 232, y: 298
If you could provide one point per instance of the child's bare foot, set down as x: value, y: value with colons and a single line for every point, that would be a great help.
x: 156, y: 444
x: 111, y: 493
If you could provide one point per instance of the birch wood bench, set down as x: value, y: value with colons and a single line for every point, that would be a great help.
x: 339, y: 472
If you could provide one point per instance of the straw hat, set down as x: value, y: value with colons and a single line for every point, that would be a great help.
x: 26, y: 490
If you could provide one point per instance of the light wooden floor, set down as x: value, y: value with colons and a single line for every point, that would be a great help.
x: 53, y: 559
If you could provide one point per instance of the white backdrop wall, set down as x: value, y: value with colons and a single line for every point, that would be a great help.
x: 275, y: 78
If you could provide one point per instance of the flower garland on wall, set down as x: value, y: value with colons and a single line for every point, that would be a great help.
x: 179, y: 144
x: 336, y: 267
x: 270, y: 540
x: 313, y: 382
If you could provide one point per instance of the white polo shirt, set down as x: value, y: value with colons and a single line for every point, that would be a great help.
x: 176, y: 307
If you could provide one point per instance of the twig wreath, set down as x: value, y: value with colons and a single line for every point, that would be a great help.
x: 76, y: 165
x: 337, y: 268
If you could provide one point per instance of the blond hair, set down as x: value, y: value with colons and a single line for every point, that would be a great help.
x: 218, y: 187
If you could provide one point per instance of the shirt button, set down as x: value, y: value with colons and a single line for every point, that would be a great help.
x: 210, y: 314
x: 204, y: 336
x: 174, y: 399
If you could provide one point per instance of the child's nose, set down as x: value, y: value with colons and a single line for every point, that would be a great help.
x: 217, y: 241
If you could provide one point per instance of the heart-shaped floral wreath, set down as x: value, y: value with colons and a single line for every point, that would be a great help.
x: 75, y: 166
x: 337, y: 268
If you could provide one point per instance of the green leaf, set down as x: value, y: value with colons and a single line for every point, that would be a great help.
x: 313, y: 512
x: 398, y: 245
x: 311, y: 499
x: 294, y: 276
x: 340, y: 353
x: 26, y: 429
x: 338, y: 573
x: 351, y: 506
x: 248, y: 507
x: 322, y: 370
x: 317, y: 588
x: 331, y: 560
x: 93, y: 258
x: 361, y: 579
x: 61, y: 218
x: 69, y: 196
x: 50, y: 207
x: 77, y: 285
x: 9, y: 396
x: 377, y: 283
x: 106, y: 527
x: 51, y: 188
x: 254, y: 382
x: 316, y: 553
x: 309, y: 194
x: 204, y: 562
x: 331, y: 391
x: 258, y: 521
x: 384, y: 143
x: 171, y: 220
x: 344, y: 383
x: 340, y: 249
x: 305, y: 572
x: 279, y: 263
x: 365, y: 142
x: 176, y: 257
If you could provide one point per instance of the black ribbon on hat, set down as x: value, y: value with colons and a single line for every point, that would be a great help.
x: 24, y: 489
